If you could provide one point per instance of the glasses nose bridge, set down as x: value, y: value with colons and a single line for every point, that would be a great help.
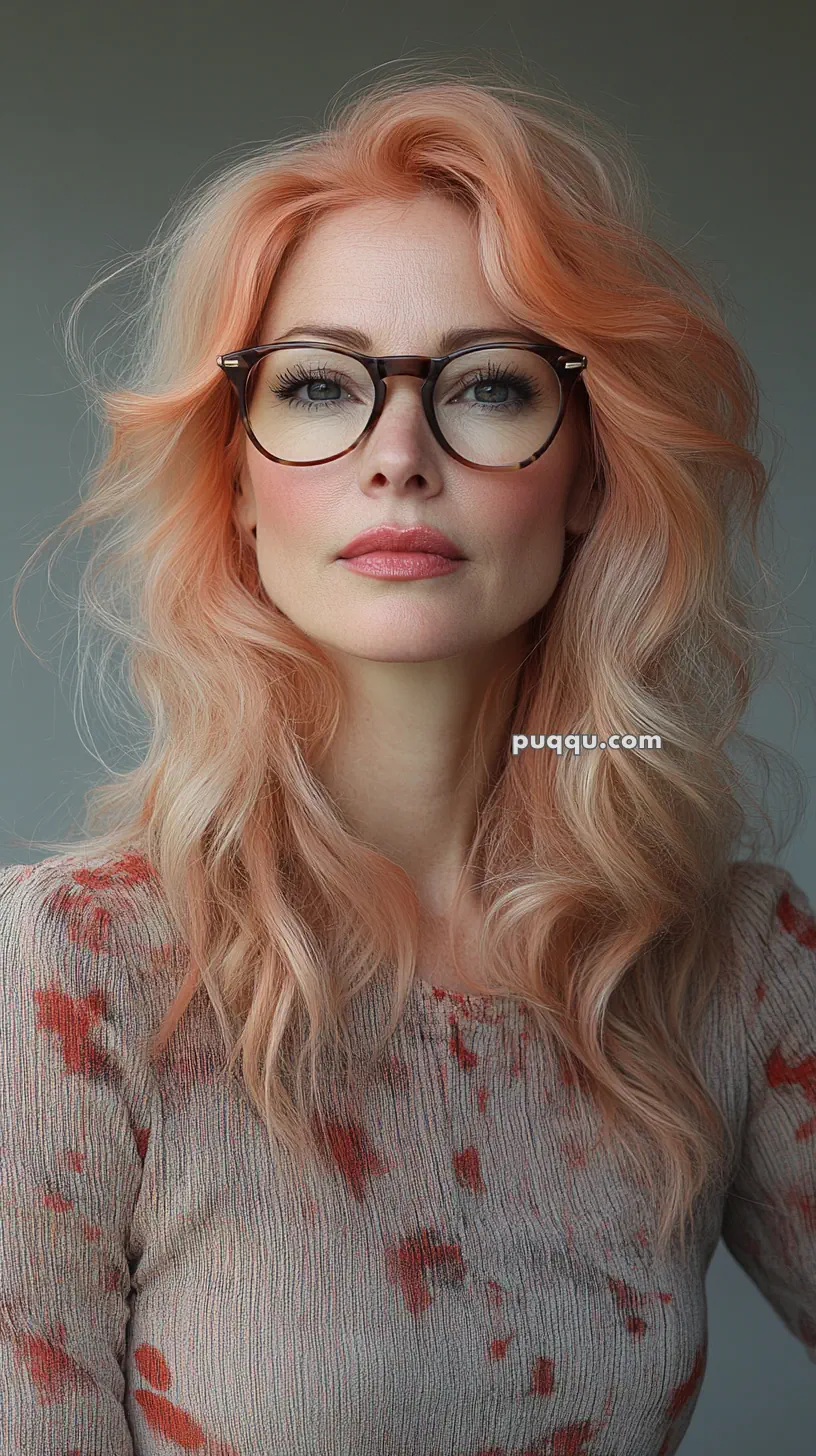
x: 412, y: 364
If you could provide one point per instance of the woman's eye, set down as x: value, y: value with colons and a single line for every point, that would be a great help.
x: 493, y: 387
x: 322, y: 387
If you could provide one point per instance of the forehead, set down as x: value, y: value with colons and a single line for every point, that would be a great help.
x: 380, y: 264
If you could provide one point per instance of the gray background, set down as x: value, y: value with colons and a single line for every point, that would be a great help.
x: 110, y: 111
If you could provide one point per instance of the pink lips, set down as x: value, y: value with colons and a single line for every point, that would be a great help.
x: 402, y: 539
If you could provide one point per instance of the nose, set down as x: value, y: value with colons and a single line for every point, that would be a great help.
x: 400, y: 447
x: 403, y: 404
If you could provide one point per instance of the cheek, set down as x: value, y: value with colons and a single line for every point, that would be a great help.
x: 289, y: 508
x: 520, y: 514
x: 529, y: 507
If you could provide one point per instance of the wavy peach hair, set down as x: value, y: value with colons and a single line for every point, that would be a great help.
x: 604, y: 877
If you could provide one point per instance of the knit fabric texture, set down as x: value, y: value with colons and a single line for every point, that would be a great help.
x: 472, y: 1277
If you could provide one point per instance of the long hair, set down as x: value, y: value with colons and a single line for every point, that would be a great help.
x: 604, y: 877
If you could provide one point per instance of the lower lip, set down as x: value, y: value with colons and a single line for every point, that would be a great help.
x: 401, y: 565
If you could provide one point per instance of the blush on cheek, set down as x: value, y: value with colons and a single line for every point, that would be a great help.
x: 519, y: 513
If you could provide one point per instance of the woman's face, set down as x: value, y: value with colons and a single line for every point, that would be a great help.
x: 404, y: 274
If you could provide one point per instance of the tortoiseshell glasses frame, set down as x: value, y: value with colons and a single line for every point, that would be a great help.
x: 567, y: 365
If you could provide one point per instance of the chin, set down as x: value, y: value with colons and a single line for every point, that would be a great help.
x: 413, y: 646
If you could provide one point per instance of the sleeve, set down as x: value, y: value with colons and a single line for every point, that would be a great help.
x: 75, y: 1120
x: 769, y: 1223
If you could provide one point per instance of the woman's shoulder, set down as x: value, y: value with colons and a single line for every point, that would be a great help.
x: 765, y: 953
x: 87, y: 901
x: 769, y: 914
x: 757, y: 882
x: 83, y: 937
x: 772, y: 938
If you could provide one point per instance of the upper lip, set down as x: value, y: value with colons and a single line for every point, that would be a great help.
x: 402, y: 538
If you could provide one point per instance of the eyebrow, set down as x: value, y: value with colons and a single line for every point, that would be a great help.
x: 450, y: 341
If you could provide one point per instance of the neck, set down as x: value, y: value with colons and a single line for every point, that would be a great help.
x: 400, y: 767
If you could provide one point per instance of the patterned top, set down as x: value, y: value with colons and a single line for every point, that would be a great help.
x: 471, y: 1279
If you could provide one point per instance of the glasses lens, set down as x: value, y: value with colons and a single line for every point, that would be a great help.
x: 497, y: 406
x: 308, y: 403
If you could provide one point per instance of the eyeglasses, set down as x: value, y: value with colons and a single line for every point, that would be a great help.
x: 494, y: 406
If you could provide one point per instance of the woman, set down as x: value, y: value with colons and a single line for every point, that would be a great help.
x: 558, y: 1034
